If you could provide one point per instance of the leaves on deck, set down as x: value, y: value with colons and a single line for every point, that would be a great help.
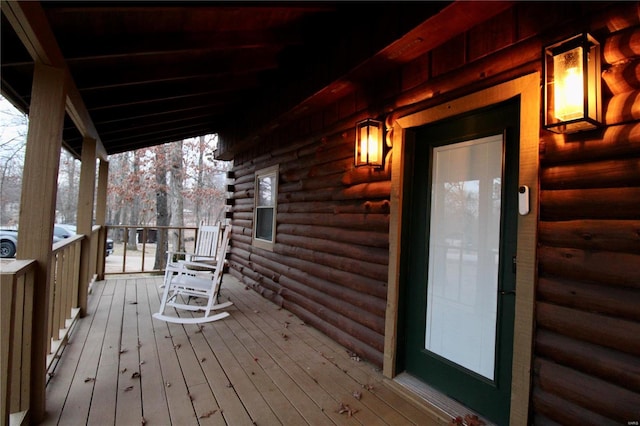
x: 135, y: 375
x: 128, y: 388
x: 124, y: 370
x: 345, y: 409
x: 354, y: 356
x: 357, y: 395
x: 123, y: 350
x: 469, y: 420
x: 90, y: 379
x: 143, y: 421
x: 207, y: 414
x: 177, y: 346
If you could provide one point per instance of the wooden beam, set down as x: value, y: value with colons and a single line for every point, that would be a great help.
x: 101, y: 214
x: 85, y: 217
x: 37, y: 210
x: 32, y: 27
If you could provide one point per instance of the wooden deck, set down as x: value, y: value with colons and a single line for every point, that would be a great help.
x: 260, y: 366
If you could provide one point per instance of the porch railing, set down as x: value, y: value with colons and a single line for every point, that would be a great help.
x: 17, y: 285
x: 135, y: 247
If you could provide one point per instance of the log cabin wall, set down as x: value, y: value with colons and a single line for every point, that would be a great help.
x: 329, y: 264
x: 587, y: 345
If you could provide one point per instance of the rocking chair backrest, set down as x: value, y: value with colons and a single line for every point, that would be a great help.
x: 207, y: 240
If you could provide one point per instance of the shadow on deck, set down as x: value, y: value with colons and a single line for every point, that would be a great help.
x: 262, y: 365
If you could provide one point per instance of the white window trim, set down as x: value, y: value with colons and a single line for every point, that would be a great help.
x: 260, y: 242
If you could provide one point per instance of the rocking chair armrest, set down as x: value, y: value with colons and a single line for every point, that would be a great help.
x: 207, y: 266
x: 186, y: 253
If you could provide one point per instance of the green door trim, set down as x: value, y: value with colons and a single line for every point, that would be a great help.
x: 403, y: 122
x: 486, y: 396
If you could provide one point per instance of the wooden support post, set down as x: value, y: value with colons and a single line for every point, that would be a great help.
x: 85, y: 218
x: 101, y: 214
x: 37, y: 210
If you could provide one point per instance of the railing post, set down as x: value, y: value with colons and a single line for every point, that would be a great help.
x: 85, y: 218
x: 101, y: 214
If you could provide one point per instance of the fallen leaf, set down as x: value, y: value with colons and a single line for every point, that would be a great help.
x: 286, y: 324
x: 135, y: 375
x: 128, y: 388
x: 141, y: 362
x: 285, y: 337
x: 143, y: 422
x: 203, y: 360
x: 90, y: 379
x: 123, y: 371
x: 168, y: 384
x: 208, y: 414
x: 123, y: 351
x: 344, y: 408
x: 177, y: 346
x: 357, y: 395
x: 133, y: 303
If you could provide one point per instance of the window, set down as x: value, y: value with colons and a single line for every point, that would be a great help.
x: 265, y: 211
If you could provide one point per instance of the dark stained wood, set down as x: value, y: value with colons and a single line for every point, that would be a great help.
x: 623, y: 77
x: 593, y: 394
x: 605, y: 235
x: 600, y: 203
x: 600, y: 174
x: 611, y: 268
x: 607, y: 364
x: 609, y: 300
x: 616, y: 142
x: 623, y: 108
x: 594, y: 328
x: 563, y: 411
x: 622, y: 45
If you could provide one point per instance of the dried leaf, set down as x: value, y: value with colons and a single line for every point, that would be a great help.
x: 344, y: 408
x: 473, y: 420
x: 168, y: 384
x: 203, y: 360
x: 128, y: 388
x: 90, y: 379
x: 133, y: 303
x: 124, y: 370
x: 208, y: 414
x: 135, y: 375
x: 286, y: 324
x: 177, y: 346
x: 357, y: 395
x: 141, y: 362
x: 368, y: 387
x: 285, y: 337
x: 143, y: 421
x: 123, y: 351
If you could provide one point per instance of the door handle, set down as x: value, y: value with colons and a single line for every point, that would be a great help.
x: 506, y: 292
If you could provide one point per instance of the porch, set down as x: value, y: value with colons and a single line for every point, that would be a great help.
x: 262, y: 365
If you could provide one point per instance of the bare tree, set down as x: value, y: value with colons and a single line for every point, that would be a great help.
x: 162, y: 207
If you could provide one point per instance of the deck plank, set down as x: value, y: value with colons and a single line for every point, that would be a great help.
x: 106, y: 380
x: 261, y: 365
x: 181, y: 410
x: 60, y: 384
x: 154, y: 400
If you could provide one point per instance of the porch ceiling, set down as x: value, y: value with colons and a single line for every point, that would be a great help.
x: 155, y: 72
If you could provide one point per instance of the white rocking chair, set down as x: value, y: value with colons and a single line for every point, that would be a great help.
x: 182, y: 284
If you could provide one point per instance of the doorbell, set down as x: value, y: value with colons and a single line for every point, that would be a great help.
x: 523, y: 200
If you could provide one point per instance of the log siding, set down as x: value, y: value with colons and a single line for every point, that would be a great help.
x: 331, y: 257
x: 587, y: 350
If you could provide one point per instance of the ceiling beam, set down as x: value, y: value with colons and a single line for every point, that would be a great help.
x: 30, y: 24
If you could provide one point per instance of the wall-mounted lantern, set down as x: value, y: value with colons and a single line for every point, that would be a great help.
x: 572, y: 85
x: 369, y: 143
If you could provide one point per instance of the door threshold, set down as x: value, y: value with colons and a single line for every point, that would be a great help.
x: 449, y: 406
